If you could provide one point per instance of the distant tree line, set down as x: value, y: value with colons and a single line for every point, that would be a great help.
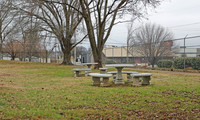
x: 34, y: 22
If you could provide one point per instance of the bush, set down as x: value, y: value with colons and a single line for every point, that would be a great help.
x: 109, y: 62
x: 178, y: 63
x: 164, y: 63
x: 193, y: 62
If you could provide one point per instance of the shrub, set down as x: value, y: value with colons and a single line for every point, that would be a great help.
x: 178, y: 63
x: 110, y: 61
x: 193, y: 62
x: 164, y: 63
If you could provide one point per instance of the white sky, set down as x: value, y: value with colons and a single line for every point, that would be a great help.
x: 182, y: 17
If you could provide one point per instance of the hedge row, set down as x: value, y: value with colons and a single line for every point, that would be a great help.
x: 109, y: 61
x: 178, y: 63
x: 193, y: 62
x: 164, y: 63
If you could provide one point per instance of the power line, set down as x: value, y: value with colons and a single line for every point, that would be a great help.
x: 182, y: 38
x: 118, y: 43
x: 184, y: 25
x: 177, y: 39
x: 193, y: 46
x: 186, y: 30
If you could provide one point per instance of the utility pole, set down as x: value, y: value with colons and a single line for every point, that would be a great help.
x: 184, y: 51
x: 75, y: 49
x: 127, y: 51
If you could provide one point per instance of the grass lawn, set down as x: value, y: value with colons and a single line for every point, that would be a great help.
x: 49, y: 91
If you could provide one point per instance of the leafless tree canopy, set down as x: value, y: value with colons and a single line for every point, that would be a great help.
x: 62, y: 19
x: 153, y: 42
x: 7, y: 15
x: 12, y: 47
x: 58, y: 18
x: 101, y: 15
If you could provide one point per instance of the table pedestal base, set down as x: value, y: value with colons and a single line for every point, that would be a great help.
x: 119, y: 82
x: 119, y: 78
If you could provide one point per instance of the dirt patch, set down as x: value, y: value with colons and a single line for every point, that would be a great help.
x: 170, y: 72
x: 11, y: 85
x: 169, y: 115
x: 63, y: 85
x: 4, y: 75
x: 171, y: 92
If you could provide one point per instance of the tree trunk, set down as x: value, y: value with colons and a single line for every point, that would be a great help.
x: 1, y: 53
x: 67, y: 58
x: 153, y: 62
x: 66, y: 49
x: 30, y: 56
x: 24, y: 55
x: 98, y: 59
x: 152, y: 65
x: 12, y: 58
x: 46, y: 56
x: 1, y: 58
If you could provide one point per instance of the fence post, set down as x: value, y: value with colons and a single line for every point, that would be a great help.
x: 184, y: 51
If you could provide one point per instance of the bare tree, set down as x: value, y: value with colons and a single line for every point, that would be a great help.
x: 28, y: 30
x: 46, y: 43
x: 130, y: 33
x: 13, y: 47
x: 101, y: 15
x: 23, y: 21
x: 32, y: 39
x: 6, y: 17
x: 61, y: 20
x: 153, y: 42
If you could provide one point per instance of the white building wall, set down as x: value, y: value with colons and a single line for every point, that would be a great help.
x: 190, y: 52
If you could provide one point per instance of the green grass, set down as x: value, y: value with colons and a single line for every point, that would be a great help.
x: 49, y: 91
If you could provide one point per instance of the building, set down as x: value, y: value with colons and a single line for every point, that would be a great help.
x: 119, y: 54
x: 6, y: 56
x: 189, y: 52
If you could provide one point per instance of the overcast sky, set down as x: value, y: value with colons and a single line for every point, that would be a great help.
x: 182, y: 17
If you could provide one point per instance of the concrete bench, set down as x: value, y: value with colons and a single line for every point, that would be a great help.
x: 77, y: 71
x: 129, y: 75
x: 103, y: 70
x: 141, y: 79
x: 114, y: 73
x: 100, y: 79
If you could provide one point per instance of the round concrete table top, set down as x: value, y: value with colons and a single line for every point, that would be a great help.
x: 119, y: 65
x: 89, y: 63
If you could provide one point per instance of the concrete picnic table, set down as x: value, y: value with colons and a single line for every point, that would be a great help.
x: 119, y: 67
x: 89, y: 64
x: 77, y: 71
